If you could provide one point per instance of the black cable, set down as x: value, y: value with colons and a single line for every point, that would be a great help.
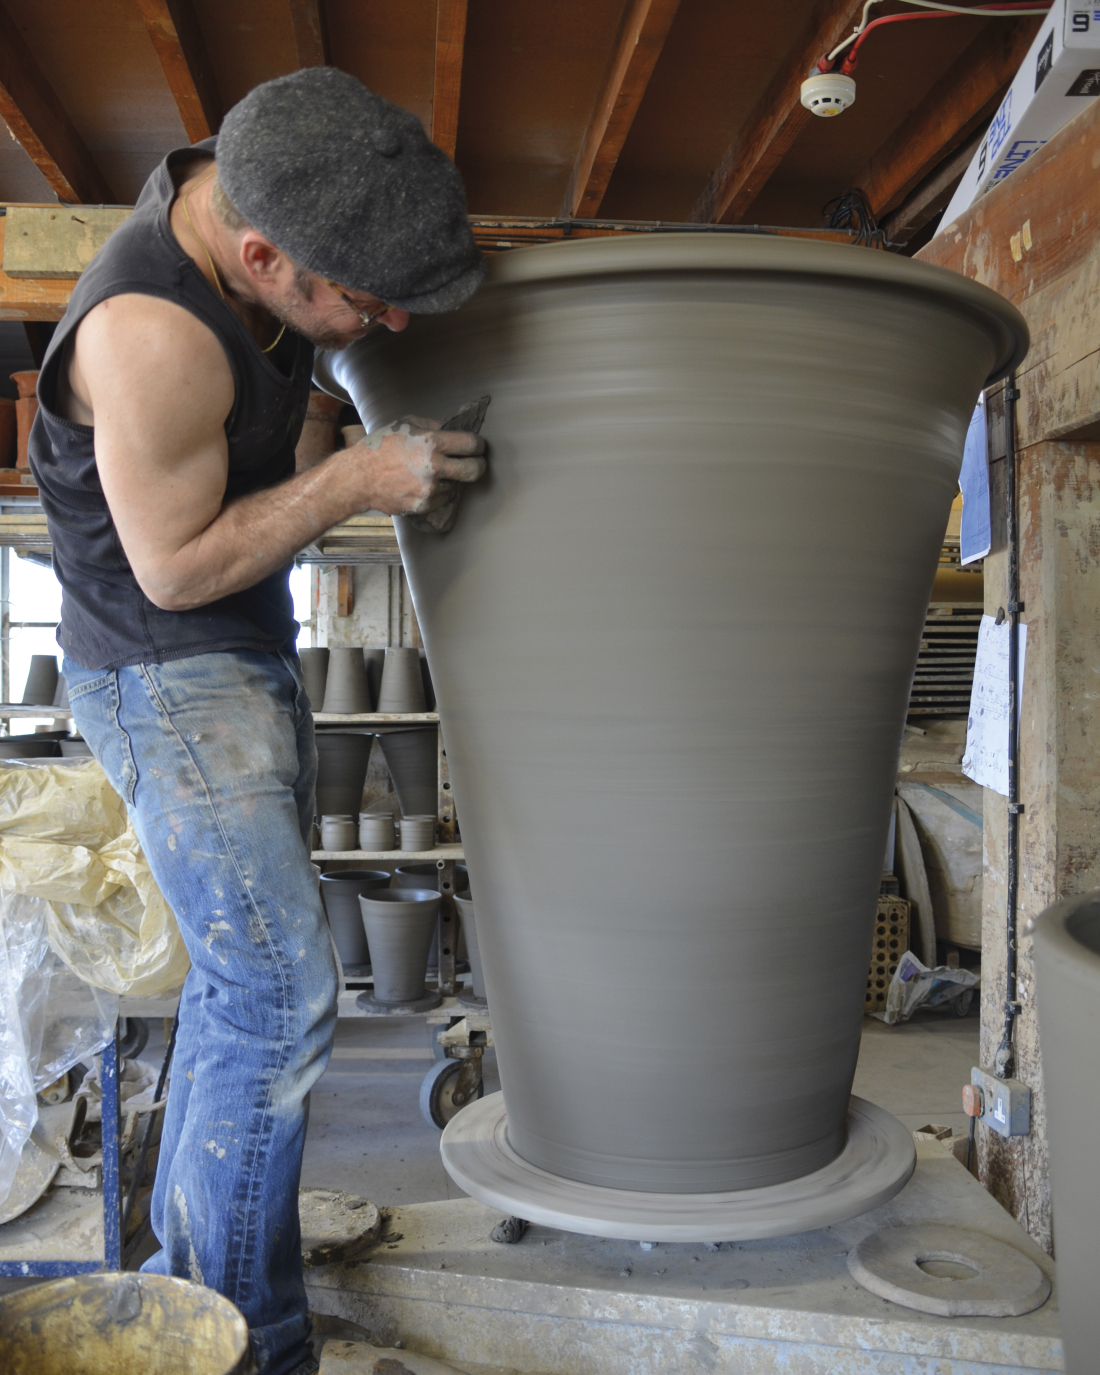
x: 852, y: 213
x: 1004, y: 1062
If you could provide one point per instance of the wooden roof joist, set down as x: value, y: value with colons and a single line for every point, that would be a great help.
x: 967, y: 93
x: 310, y: 32
x: 39, y: 123
x: 775, y: 122
x: 645, y: 27
x: 173, y: 29
x: 450, y: 46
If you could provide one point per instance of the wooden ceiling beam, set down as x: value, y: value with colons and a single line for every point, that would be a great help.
x: 641, y: 38
x: 310, y: 32
x: 174, y: 30
x: 40, y: 125
x: 931, y: 195
x: 776, y: 120
x: 967, y: 93
x: 450, y: 45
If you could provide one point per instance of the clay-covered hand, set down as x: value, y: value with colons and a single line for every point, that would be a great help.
x: 415, y: 465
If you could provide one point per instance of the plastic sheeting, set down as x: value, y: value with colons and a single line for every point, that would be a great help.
x: 49, y: 1021
x: 65, y: 838
x: 79, y: 913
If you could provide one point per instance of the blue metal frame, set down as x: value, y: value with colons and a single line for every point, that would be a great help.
x: 112, y: 1192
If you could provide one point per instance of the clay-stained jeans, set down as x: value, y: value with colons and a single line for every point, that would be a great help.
x: 215, y: 759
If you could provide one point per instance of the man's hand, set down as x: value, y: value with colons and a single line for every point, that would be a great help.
x: 413, y: 464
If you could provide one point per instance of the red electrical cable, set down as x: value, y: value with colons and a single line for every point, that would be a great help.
x: 852, y: 57
x: 848, y: 64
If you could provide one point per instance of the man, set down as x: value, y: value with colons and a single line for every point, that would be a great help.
x: 172, y: 397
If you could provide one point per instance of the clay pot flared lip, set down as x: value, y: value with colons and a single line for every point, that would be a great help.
x: 754, y: 254
x: 1067, y: 934
x: 356, y: 876
x: 409, y: 896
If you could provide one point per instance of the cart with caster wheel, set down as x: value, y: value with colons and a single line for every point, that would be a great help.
x: 456, y: 1080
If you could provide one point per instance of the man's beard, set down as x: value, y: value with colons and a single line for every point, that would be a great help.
x: 293, y: 314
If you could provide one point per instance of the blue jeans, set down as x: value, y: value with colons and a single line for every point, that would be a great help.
x: 215, y: 758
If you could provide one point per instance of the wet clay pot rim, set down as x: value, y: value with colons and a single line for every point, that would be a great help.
x: 753, y: 254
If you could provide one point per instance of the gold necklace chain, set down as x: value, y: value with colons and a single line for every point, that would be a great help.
x: 209, y: 257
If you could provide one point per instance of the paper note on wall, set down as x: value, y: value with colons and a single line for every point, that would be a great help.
x: 986, y: 757
x: 975, y: 535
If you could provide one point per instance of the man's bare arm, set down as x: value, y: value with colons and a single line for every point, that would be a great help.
x: 155, y: 383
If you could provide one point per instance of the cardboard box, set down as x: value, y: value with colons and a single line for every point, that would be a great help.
x: 1061, y: 72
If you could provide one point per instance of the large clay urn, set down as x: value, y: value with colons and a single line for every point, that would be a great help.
x: 1066, y: 950
x: 672, y: 635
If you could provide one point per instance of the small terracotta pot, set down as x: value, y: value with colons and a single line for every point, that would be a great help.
x: 376, y: 831
x: 402, y: 687
x: 314, y: 674
x: 41, y: 681
x: 400, y: 924
x: 347, y: 688
x: 26, y: 408
x: 342, y: 759
x: 417, y: 833
x: 340, y: 896
x: 338, y: 833
x: 465, y: 905
x: 27, y: 747
x: 413, y: 762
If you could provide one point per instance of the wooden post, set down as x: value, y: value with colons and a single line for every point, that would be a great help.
x: 1036, y: 240
x: 345, y: 589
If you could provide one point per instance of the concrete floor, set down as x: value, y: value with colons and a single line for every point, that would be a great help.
x: 366, y: 1134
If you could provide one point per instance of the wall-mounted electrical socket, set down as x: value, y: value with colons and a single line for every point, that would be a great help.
x: 1005, y: 1103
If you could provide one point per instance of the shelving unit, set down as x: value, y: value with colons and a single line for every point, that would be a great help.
x: 446, y: 854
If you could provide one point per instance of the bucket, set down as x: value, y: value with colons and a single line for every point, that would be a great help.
x: 121, y: 1324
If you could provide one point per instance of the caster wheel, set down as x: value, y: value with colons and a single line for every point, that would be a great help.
x: 133, y: 1037
x: 437, y: 1093
x: 960, y: 1006
x: 434, y: 1032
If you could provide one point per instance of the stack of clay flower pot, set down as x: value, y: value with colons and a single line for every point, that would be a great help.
x: 16, y: 419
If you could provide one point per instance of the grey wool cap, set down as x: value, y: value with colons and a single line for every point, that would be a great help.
x: 350, y: 186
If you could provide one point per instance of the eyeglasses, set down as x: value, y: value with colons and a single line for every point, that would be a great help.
x: 367, y: 316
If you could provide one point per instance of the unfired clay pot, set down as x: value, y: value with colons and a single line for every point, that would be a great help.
x: 465, y: 905
x: 340, y: 894
x: 338, y: 833
x: 342, y: 760
x: 418, y: 833
x: 1066, y: 948
x: 412, y: 759
x: 720, y: 471
x: 27, y: 747
x: 376, y: 831
x: 41, y: 686
x: 26, y: 408
x: 402, y: 685
x: 314, y: 674
x: 399, y: 923
x: 346, y: 687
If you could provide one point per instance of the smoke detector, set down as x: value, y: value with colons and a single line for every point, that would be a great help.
x: 828, y: 93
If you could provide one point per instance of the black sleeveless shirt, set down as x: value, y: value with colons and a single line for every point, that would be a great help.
x: 106, y: 619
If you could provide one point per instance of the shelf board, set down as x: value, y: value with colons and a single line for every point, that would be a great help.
x: 454, y: 852
x: 18, y: 709
x: 376, y: 718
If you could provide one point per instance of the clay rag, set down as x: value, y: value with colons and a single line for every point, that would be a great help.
x: 470, y: 418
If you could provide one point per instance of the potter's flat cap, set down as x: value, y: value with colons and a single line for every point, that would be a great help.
x: 351, y: 188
